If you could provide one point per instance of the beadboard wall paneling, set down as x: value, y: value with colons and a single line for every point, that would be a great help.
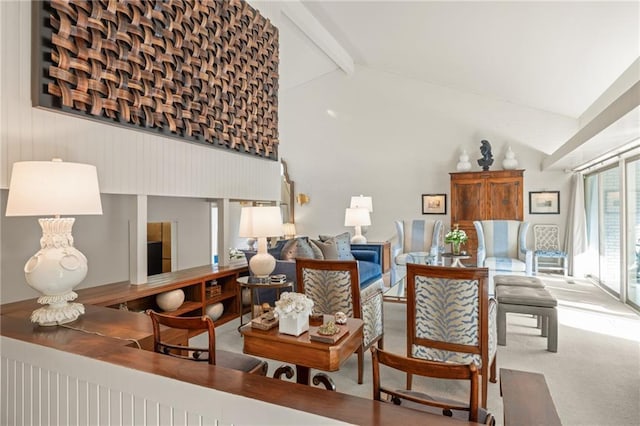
x: 128, y: 161
x: 40, y: 385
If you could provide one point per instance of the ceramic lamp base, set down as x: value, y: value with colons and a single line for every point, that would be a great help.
x: 59, y: 311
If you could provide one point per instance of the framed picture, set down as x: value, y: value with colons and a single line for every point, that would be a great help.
x: 544, y: 202
x: 612, y: 201
x: 434, y: 203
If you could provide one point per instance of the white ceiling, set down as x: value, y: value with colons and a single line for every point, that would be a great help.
x: 553, y: 56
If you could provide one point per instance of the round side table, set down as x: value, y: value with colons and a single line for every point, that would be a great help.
x: 253, y: 284
x: 456, y: 258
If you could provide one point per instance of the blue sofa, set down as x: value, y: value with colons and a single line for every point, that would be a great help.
x: 368, y: 257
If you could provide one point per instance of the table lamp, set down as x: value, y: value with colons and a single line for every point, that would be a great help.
x: 360, y: 201
x: 289, y: 230
x: 357, y: 217
x: 54, y: 188
x: 260, y: 223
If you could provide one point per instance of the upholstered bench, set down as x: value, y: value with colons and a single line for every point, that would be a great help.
x: 528, y: 300
x: 517, y: 281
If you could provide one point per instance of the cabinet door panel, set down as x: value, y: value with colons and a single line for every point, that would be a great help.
x: 504, y: 200
x: 466, y: 201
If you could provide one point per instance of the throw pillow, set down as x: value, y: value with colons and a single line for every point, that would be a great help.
x: 297, y: 248
x: 343, y: 244
x: 328, y: 249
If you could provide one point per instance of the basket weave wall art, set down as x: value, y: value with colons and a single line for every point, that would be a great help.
x: 203, y: 71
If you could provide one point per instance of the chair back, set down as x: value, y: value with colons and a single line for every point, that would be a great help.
x: 418, y: 235
x: 162, y: 346
x: 332, y: 285
x: 503, y: 238
x: 433, y: 369
x: 447, y: 314
x: 546, y: 237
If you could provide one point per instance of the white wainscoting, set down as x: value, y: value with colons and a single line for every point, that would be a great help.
x: 128, y: 161
x: 44, y: 386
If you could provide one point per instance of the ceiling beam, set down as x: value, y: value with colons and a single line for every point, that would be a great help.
x: 617, y: 109
x: 313, y: 29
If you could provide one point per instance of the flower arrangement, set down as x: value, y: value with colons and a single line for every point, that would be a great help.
x: 293, y: 304
x: 456, y: 237
x: 235, y: 253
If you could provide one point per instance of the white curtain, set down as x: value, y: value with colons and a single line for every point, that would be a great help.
x: 576, y: 236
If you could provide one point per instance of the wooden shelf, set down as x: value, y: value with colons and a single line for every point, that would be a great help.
x: 193, y: 281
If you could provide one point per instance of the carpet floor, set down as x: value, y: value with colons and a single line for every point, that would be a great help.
x: 594, y: 378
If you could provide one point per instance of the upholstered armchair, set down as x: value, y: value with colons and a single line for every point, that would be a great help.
x: 415, y: 239
x: 334, y: 286
x: 450, y: 318
x: 502, y: 247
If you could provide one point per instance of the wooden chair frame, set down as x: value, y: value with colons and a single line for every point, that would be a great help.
x: 191, y: 353
x: 434, y: 369
x: 350, y: 266
x: 482, y: 348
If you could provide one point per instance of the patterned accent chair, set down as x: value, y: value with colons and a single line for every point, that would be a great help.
x: 502, y: 247
x: 414, y: 237
x: 450, y: 318
x: 334, y: 286
x: 547, y: 246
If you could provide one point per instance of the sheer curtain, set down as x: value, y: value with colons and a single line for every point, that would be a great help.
x: 576, y: 232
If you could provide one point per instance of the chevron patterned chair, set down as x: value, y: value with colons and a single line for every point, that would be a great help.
x: 334, y: 286
x: 450, y: 318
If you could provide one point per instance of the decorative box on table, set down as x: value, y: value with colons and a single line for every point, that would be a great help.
x: 293, y: 311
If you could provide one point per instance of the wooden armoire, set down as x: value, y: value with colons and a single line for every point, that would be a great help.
x: 483, y: 196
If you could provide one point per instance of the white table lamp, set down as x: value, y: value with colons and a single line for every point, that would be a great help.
x: 55, y: 188
x: 261, y: 222
x: 357, y: 217
x: 360, y: 201
x: 289, y: 230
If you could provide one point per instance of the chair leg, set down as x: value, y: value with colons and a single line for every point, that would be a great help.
x: 409, y: 381
x: 360, y: 364
x: 485, y: 385
x: 494, y: 377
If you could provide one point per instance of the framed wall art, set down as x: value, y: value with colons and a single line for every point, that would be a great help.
x: 544, y: 202
x: 434, y: 203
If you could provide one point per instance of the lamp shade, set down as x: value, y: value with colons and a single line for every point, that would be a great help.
x: 289, y: 229
x: 260, y: 222
x: 360, y: 201
x: 357, y: 217
x: 42, y: 188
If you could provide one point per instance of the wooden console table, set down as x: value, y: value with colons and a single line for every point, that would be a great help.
x: 526, y: 399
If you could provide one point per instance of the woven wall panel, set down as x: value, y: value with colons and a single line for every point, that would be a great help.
x: 206, y: 71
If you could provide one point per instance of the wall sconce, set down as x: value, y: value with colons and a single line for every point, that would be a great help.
x: 302, y: 199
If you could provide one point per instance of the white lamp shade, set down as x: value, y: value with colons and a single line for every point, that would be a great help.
x: 41, y: 188
x: 289, y: 229
x: 357, y: 217
x: 360, y: 201
x: 260, y: 222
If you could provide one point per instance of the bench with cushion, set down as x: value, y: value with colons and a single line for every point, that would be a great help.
x: 528, y: 300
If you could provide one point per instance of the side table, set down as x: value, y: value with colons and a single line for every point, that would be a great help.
x: 456, y: 258
x: 253, y: 284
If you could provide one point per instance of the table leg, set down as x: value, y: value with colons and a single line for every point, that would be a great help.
x: 303, y: 376
x: 457, y: 264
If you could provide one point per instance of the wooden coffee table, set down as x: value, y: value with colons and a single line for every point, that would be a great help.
x: 303, y: 352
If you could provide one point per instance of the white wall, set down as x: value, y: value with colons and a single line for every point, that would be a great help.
x: 395, y: 139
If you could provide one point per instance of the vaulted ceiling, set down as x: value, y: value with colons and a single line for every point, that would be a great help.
x: 558, y: 57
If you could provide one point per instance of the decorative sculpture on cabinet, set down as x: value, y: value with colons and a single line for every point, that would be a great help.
x: 487, y: 158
